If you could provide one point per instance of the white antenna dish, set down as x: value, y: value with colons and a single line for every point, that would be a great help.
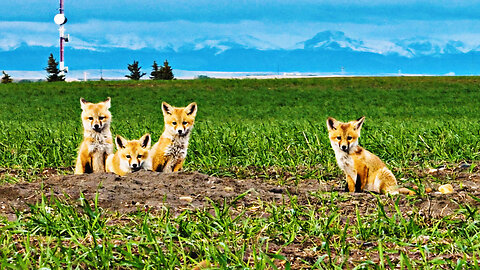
x: 60, y: 19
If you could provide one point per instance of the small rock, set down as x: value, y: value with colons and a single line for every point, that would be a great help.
x: 464, y: 166
x: 446, y: 189
x: 276, y: 190
x: 228, y: 189
x: 186, y: 199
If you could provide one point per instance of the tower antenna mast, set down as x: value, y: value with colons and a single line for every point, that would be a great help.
x: 60, y: 20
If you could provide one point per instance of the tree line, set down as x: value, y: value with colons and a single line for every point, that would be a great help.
x: 164, y: 72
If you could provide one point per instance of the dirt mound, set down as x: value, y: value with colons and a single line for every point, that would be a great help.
x: 189, y: 190
x: 145, y: 189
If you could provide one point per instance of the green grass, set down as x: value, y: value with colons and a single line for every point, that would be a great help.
x: 244, y: 128
x: 60, y: 235
x: 259, y: 123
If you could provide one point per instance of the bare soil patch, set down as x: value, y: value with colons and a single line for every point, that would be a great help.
x: 189, y: 190
x: 147, y: 190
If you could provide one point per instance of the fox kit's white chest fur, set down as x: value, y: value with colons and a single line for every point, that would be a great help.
x: 345, y: 162
x: 100, y: 142
x: 178, y: 148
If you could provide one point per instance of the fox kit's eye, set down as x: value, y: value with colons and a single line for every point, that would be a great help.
x: 90, y: 118
x: 128, y: 156
x: 184, y: 122
x: 339, y: 138
x: 139, y: 156
x: 174, y: 123
x: 101, y: 117
x: 349, y: 138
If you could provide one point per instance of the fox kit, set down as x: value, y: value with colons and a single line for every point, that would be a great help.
x: 168, y: 154
x: 364, y: 170
x: 130, y: 155
x: 97, y: 141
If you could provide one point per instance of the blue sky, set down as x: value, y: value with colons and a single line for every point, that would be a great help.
x: 98, y: 25
x: 112, y: 33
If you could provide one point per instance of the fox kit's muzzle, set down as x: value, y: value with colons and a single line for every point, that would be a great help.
x: 135, y: 167
x: 97, y: 127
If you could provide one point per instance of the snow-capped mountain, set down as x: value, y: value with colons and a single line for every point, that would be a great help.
x: 327, y: 51
x: 412, y: 47
x: 221, y: 44
x: 334, y: 40
x: 424, y: 46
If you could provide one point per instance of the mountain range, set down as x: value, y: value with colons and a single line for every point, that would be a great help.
x: 327, y: 52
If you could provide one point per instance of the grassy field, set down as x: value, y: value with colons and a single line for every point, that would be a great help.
x: 244, y: 129
x: 259, y: 123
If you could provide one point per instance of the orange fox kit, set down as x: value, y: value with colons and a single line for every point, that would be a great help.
x: 364, y: 170
x: 130, y: 155
x: 168, y: 154
x: 97, y: 141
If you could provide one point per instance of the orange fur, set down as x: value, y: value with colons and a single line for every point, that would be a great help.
x: 357, y: 163
x: 169, y: 153
x: 130, y: 155
x: 97, y: 141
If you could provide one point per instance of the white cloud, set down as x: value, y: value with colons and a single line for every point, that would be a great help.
x: 263, y: 35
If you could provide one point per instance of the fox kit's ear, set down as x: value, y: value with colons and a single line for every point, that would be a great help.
x: 120, y: 142
x: 191, y: 109
x: 358, y: 124
x: 166, y: 108
x: 107, y: 103
x: 331, y: 123
x: 83, y: 103
x: 145, y: 141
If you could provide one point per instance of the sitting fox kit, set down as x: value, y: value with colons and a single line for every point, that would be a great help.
x: 168, y: 154
x: 364, y: 170
x: 130, y: 155
x: 97, y: 141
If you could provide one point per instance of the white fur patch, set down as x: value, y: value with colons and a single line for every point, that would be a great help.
x: 124, y: 166
x: 147, y: 164
x: 344, y: 161
x: 99, y: 143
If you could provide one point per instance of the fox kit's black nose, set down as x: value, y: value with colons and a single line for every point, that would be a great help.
x: 135, y: 167
x: 344, y: 147
x: 180, y: 132
x: 96, y: 127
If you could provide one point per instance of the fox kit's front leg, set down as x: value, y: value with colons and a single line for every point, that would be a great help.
x: 350, y: 184
x: 98, y: 161
x: 168, y: 167
x: 82, y: 160
x: 178, y: 166
x: 80, y: 166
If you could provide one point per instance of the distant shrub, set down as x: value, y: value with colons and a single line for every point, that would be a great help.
x: 163, y: 73
x: 6, y: 78
x: 135, y: 73
x: 53, y: 71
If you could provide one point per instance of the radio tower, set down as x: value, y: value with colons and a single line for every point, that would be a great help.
x: 60, y: 20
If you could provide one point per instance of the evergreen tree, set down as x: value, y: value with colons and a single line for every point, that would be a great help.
x: 135, y: 73
x: 6, y: 78
x: 155, y: 74
x: 166, y: 72
x: 53, y: 71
